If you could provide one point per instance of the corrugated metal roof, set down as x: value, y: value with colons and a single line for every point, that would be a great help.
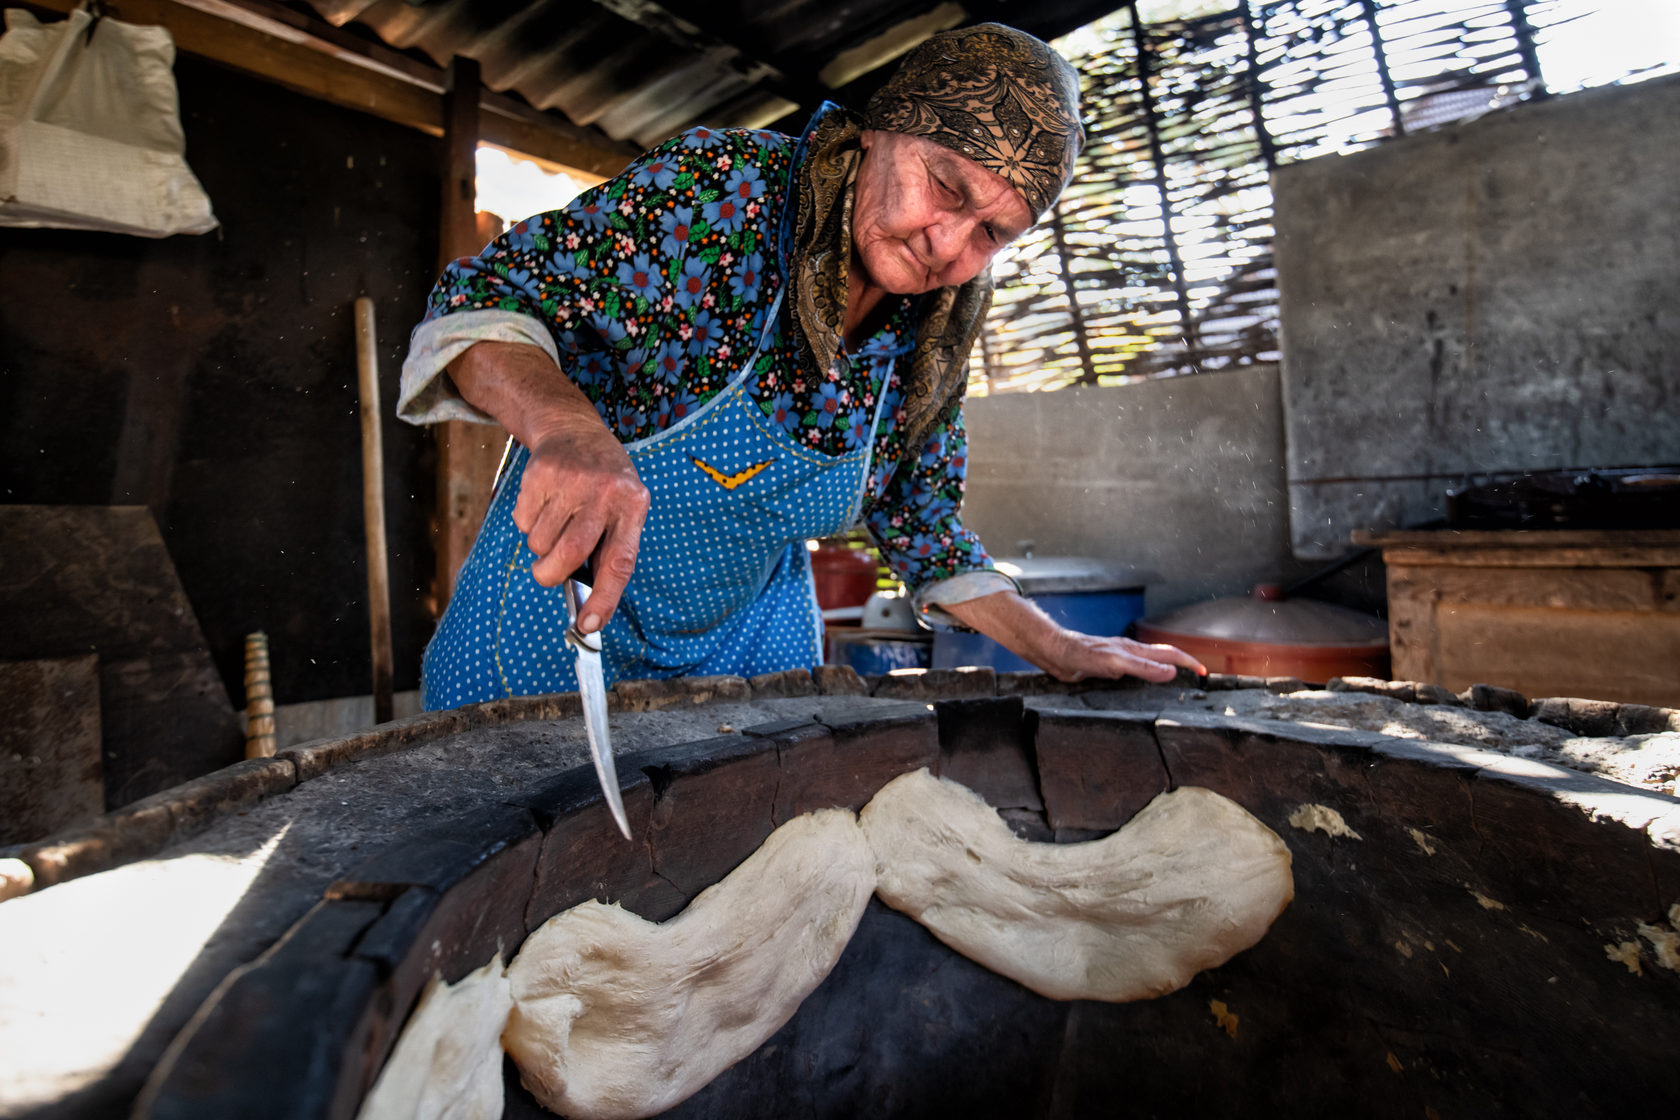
x: 640, y: 71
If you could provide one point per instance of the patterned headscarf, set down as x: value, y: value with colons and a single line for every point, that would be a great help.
x: 996, y: 95
x: 993, y: 94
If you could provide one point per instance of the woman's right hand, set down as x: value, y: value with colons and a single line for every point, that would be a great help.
x: 580, y: 498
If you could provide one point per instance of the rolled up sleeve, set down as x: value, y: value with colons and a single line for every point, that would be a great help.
x: 917, y: 525
x: 427, y: 394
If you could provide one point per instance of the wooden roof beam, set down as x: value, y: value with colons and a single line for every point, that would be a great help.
x: 312, y: 57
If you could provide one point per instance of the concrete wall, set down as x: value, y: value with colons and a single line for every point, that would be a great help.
x: 1182, y: 476
x: 1501, y: 296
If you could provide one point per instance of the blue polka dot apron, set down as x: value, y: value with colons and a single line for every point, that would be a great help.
x: 723, y: 579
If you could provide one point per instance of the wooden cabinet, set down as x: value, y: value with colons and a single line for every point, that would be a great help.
x: 1594, y: 614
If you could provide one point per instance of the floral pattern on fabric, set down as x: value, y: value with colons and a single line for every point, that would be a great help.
x: 655, y: 286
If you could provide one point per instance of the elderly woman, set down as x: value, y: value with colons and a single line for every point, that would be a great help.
x: 745, y: 341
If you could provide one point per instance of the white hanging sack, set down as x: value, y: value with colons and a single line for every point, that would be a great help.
x: 90, y: 130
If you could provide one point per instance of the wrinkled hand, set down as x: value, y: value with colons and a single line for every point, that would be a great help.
x: 1073, y: 656
x: 1020, y: 626
x: 580, y: 498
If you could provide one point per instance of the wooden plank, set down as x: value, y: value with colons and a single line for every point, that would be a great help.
x: 559, y: 144
x: 1519, y: 538
x: 317, y: 60
x: 51, y: 776
x: 468, y: 454
x: 373, y: 510
x: 1606, y: 589
x: 81, y: 579
x: 1657, y: 548
x: 1629, y: 557
x: 1411, y: 629
x: 1601, y: 655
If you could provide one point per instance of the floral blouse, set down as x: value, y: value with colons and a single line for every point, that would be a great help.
x: 654, y: 286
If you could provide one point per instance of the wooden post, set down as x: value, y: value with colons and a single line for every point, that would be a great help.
x: 259, y: 698
x: 468, y: 454
x: 373, y: 510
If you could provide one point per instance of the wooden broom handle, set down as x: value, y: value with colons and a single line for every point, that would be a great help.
x: 373, y: 510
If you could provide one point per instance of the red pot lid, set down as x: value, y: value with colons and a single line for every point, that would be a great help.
x: 1267, y: 618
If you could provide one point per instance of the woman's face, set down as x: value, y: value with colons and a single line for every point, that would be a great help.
x: 924, y: 217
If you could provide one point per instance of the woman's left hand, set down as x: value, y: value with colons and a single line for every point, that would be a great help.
x: 1068, y: 655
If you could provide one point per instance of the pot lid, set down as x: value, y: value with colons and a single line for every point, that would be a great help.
x: 1267, y: 618
x: 1044, y: 574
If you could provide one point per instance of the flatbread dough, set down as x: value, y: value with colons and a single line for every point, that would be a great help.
x: 1188, y: 883
x: 616, y: 1017
x: 447, y: 1065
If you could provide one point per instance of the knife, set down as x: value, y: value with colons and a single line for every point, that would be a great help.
x: 592, y: 687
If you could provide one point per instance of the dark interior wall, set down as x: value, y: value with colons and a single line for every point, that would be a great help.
x: 213, y: 378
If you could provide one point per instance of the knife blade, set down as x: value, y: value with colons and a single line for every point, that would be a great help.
x: 592, y: 687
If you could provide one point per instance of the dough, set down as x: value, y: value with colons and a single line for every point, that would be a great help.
x: 1188, y: 883
x: 447, y: 1065
x: 615, y: 1016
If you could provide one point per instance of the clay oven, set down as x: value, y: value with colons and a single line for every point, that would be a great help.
x: 1471, y: 932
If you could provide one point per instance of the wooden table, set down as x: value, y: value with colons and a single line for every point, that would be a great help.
x: 1594, y: 614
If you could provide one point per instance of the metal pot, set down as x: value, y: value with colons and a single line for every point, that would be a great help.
x: 1266, y: 635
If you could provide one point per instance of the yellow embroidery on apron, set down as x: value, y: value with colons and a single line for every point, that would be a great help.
x: 729, y: 481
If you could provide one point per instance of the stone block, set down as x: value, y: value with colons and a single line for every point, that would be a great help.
x: 1195, y: 752
x: 1542, y: 828
x: 1284, y: 686
x: 717, y: 690
x: 1028, y: 825
x: 1030, y: 684
x: 845, y: 763
x: 671, y: 692
x: 518, y: 709
x: 791, y: 682
x: 1639, y: 719
x: 1492, y: 698
x: 646, y: 695
x: 1079, y: 835
x: 937, y: 684
x: 70, y: 855
x: 1394, y: 690
x: 144, y: 828
x: 398, y: 946
x: 1146, y: 701
x: 196, y: 805
x: 777, y: 727
x: 583, y: 854
x: 316, y: 757
x: 1435, y: 694
x: 838, y: 680
x: 1232, y: 682
x: 1267, y: 767
x: 287, y: 1035
x: 986, y: 745
x: 1594, y: 718
x: 480, y: 866
x: 713, y: 802
x: 1096, y: 769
